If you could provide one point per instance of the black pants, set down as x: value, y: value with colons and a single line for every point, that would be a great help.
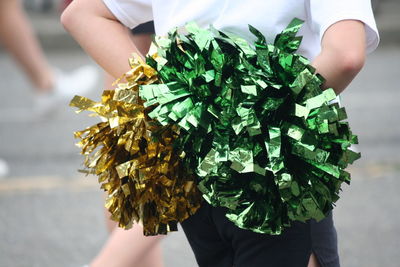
x: 217, y: 242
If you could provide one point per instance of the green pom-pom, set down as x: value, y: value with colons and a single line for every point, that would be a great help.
x: 263, y: 138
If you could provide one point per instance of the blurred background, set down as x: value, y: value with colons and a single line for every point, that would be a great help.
x: 50, y: 215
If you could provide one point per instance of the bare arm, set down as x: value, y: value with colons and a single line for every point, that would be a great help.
x: 342, y: 55
x: 100, y: 34
x: 107, y: 41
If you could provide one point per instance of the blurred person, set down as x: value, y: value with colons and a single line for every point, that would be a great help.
x: 125, y: 248
x: 336, y: 37
x: 50, y: 84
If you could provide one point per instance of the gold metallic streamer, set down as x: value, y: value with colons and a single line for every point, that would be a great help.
x: 133, y: 157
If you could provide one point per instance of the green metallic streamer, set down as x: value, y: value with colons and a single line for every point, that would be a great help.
x: 263, y: 138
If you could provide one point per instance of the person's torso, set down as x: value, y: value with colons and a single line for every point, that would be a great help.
x: 269, y: 17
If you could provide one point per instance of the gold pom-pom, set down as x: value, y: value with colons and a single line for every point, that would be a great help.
x: 133, y: 157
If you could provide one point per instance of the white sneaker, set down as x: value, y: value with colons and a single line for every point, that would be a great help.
x: 45, y: 103
x: 78, y: 82
x: 3, y: 168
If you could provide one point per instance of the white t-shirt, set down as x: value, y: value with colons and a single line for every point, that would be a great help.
x: 268, y: 16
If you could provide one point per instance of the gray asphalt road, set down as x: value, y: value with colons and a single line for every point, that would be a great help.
x: 51, y: 216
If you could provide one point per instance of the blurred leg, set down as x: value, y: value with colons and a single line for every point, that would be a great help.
x: 313, y: 262
x: 129, y: 248
x: 110, y: 224
x: 154, y: 256
x: 18, y: 38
